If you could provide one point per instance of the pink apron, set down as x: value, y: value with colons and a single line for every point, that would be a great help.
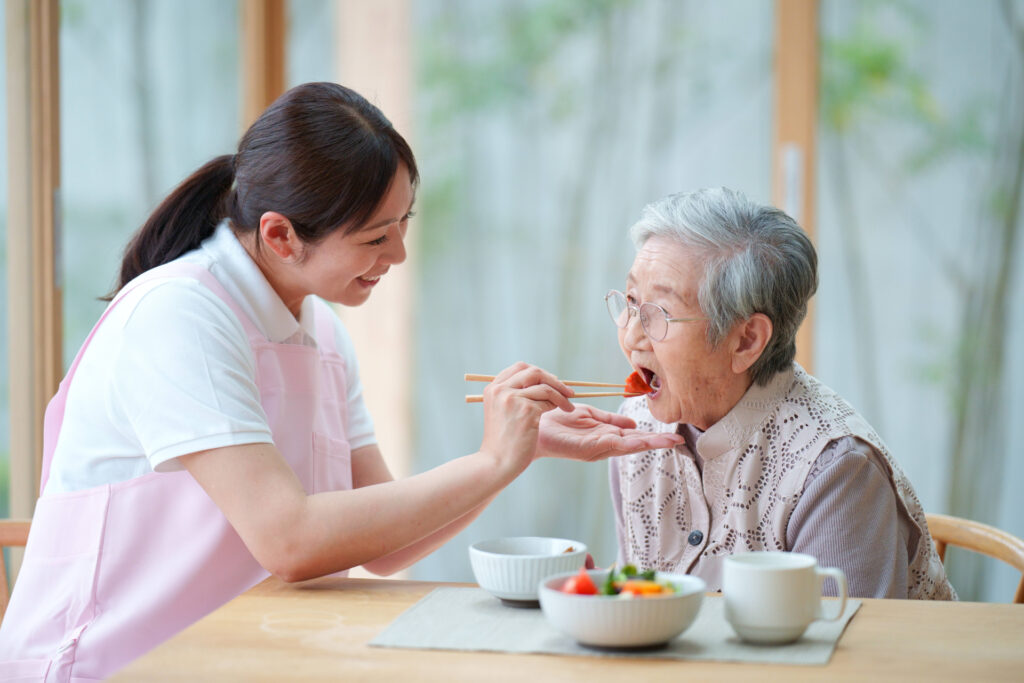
x: 112, y: 571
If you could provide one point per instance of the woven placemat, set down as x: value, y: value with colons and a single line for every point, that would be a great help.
x: 470, y: 619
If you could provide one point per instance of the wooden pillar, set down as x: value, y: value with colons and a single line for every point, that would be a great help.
x: 373, y: 41
x: 34, y: 312
x: 263, y: 39
x: 796, y: 120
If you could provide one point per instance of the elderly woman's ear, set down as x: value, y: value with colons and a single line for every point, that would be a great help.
x: 747, y: 341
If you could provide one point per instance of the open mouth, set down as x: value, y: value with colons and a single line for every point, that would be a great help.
x: 369, y: 280
x: 652, y: 379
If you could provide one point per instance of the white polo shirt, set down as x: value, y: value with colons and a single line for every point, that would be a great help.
x: 151, y: 385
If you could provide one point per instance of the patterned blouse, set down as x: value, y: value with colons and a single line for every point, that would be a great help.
x: 791, y: 467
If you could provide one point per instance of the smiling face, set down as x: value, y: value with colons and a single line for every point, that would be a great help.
x: 341, y: 268
x: 692, y: 381
x: 345, y: 268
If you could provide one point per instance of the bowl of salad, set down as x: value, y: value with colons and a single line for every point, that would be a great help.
x: 511, y: 568
x: 621, y: 608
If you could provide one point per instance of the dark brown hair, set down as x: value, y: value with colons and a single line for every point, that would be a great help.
x: 320, y: 155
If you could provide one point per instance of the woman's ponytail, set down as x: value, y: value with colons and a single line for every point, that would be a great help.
x: 183, y: 220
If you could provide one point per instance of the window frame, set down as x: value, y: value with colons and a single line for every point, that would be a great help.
x: 794, y: 151
x: 34, y: 285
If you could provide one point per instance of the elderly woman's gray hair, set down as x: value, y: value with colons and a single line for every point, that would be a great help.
x: 756, y: 260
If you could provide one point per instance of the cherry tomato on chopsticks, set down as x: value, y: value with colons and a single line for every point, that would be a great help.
x: 636, y: 384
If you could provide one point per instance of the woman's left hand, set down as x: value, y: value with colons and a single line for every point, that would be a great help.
x: 590, y: 434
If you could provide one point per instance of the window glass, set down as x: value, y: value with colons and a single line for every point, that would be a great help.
x: 149, y: 92
x: 311, y: 27
x: 543, y: 128
x: 920, y: 180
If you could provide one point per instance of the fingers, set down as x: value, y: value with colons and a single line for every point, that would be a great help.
x: 613, y: 419
x: 626, y: 429
x: 547, y: 394
x: 539, y: 383
x: 612, y: 445
x: 509, y: 371
x: 514, y: 403
x: 529, y: 375
x: 649, y: 440
x: 645, y: 441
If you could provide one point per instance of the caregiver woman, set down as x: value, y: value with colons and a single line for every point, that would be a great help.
x: 212, y: 431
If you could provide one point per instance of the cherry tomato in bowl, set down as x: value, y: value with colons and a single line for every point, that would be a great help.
x: 581, y: 584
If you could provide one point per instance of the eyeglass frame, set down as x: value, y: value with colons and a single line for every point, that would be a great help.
x: 634, y: 310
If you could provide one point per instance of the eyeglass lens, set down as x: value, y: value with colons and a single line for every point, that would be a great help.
x: 617, y: 308
x: 652, y: 317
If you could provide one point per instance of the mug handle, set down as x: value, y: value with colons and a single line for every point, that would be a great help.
x: 840, y: 578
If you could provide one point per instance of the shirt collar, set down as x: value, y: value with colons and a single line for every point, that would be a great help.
x: 735, y: 429
x: 231, y: 264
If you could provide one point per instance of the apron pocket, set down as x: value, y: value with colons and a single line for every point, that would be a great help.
x: 53, y: 600
x: 332, y: 464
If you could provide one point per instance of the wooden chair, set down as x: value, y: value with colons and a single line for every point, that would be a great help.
x: 981, y: 538
x: 13, y: 532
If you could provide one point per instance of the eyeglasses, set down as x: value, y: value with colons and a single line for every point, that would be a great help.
x: 653, y: 317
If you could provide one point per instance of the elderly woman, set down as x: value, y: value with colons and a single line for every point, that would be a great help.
x: 773, y: 459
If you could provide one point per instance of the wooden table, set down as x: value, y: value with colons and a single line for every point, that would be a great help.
x: 319, y: 630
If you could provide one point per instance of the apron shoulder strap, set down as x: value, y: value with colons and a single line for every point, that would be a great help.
x: 54, y: 417
x: 324, y: 321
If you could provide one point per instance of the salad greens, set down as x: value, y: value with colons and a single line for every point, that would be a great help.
x: 617, y: 579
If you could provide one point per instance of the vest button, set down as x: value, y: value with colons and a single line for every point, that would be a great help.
x: 696, y: 537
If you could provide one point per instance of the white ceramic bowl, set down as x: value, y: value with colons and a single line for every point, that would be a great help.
x: 512, y: 568
x: 613, y: 621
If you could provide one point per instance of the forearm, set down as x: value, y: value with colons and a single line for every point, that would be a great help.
x: 396, y: 522
x: 390, y: 524
x: 297, y: 536
x: 400, y: 559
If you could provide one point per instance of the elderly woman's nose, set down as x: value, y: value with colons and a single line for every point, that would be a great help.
x: 634, y: 334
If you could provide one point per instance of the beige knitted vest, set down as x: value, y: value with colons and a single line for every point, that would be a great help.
x: 756, y: 459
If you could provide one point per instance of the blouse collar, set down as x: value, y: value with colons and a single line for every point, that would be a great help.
x: 245, y: 282
x: 739, y: 424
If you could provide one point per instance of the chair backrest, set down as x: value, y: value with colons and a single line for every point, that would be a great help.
x: 981, y: 538
x: 13, y: 532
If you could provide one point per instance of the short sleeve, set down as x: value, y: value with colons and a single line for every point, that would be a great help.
x: 184, y: 377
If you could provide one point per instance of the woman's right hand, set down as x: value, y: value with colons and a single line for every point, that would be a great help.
x: 513, y: 404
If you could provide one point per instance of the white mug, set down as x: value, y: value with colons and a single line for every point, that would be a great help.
x: 772, y: 597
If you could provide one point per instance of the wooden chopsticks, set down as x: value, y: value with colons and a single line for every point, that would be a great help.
x: 478, y: 398
x: 490, y: 378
